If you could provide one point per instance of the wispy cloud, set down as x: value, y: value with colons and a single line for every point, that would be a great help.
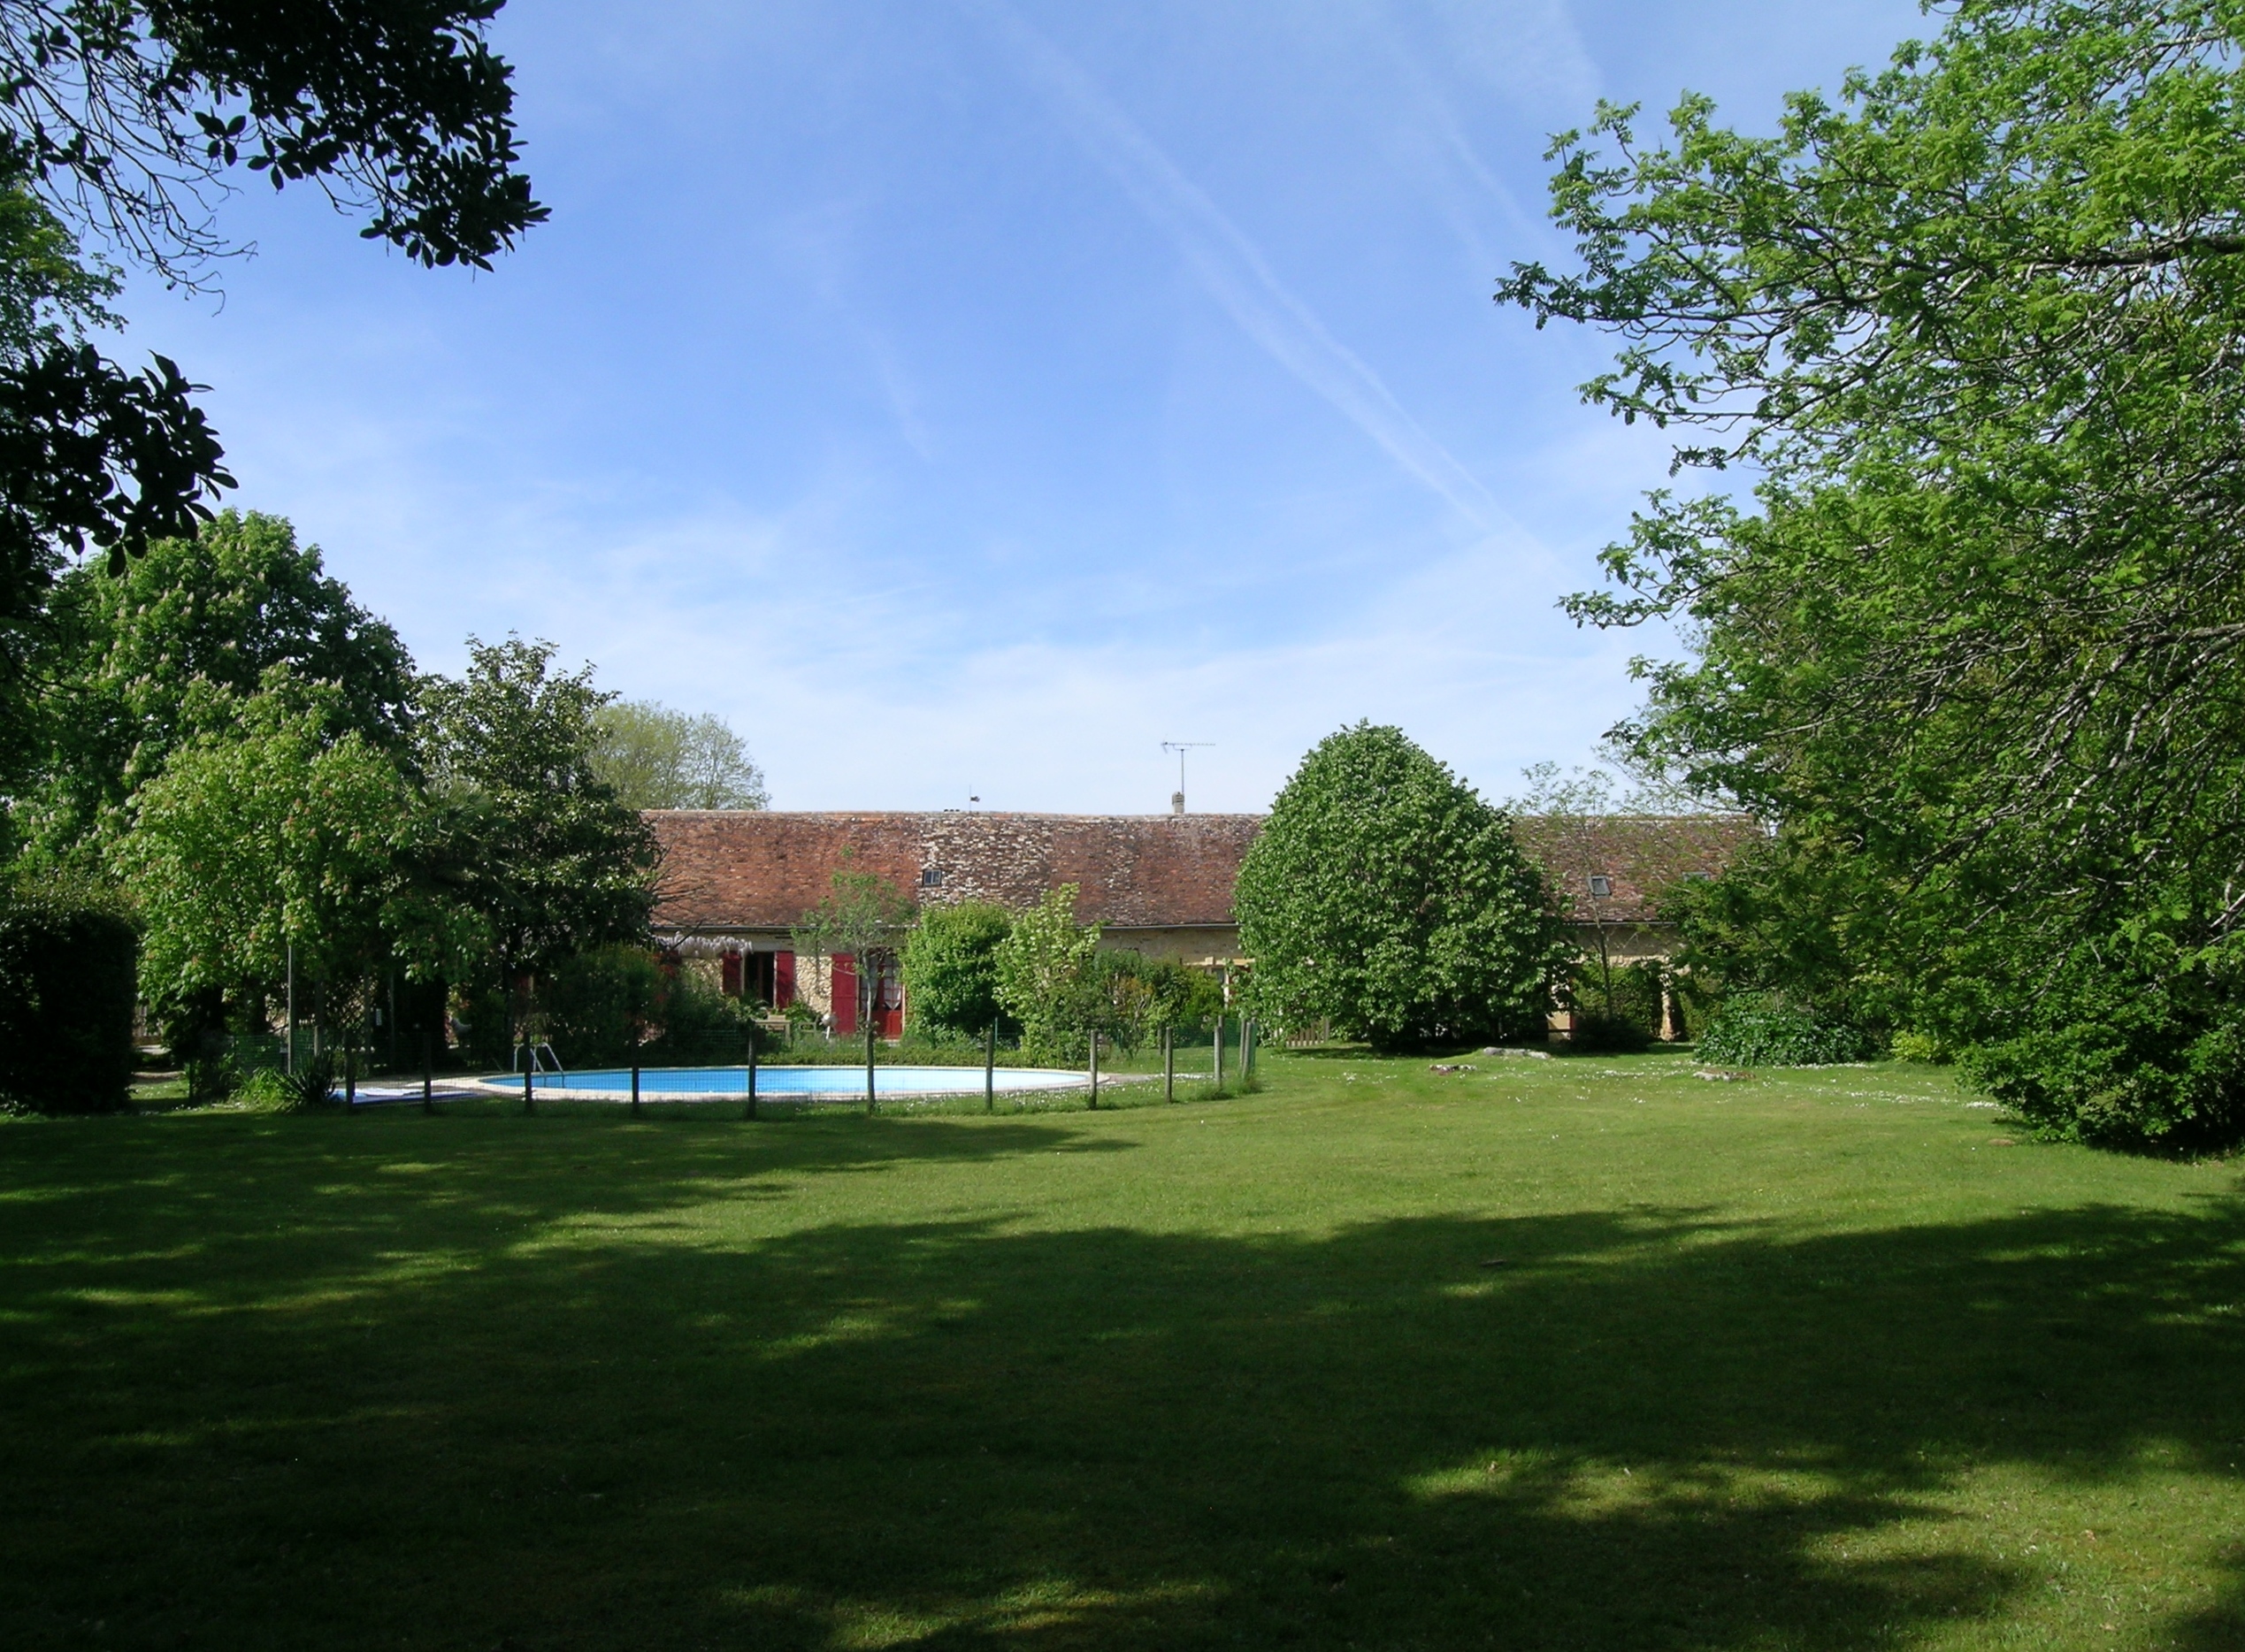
x: 1529, y: 50
x: 1231, y: 268
x: 820, y: 245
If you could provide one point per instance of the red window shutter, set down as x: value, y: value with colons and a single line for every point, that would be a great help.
x: 782, y: 980
x: 730, y: 974
x: 843, y: 999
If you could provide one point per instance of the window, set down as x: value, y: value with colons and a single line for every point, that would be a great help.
x: 1601, y: 885
x: 931, y: 877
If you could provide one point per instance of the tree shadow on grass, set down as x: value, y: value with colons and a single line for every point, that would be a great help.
x: 260, y: 1201
x: 976, y: 1433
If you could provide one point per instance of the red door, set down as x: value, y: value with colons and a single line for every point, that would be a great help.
x: 888, y: 997
x: 888, y: 1000
x: 782, y: 980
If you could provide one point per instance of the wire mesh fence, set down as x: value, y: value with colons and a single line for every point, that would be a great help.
x: 711, y: 1069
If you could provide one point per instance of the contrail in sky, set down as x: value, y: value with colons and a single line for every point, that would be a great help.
x: 1232, y: 268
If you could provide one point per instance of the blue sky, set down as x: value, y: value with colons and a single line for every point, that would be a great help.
x: 962, y: 397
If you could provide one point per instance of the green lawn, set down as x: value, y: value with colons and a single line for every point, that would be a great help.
x: 1571, y: 1353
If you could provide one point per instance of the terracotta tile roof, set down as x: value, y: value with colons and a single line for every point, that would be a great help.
x: 764, y: 869
x: 730, y: 869
x: 1645, y: 856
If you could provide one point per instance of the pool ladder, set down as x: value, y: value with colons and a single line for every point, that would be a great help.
x: 549, y: 1062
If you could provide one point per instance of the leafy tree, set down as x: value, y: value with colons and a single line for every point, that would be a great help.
x: 137, y: 654
x: 1974, y: 643
x: 655, y: 757
x: 88, y: 453
x: 1386, y: 896
x: 1592, y: 792
x: 951, y: 968
x: 280, y: 830
x: 123, y: 120
x: 531, y: 840
x: 1045, y: 966
x: 128, y: 116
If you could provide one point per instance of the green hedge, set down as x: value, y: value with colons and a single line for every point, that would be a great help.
x: 67, y: 989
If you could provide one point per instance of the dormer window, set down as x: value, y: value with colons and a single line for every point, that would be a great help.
x: 931, y: 877
x: 1601, y: 887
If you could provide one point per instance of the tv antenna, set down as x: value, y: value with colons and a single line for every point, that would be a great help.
x: 1177, y: 798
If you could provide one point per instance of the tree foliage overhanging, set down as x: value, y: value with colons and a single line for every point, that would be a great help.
x: 1975, y: 329
x: 122, y: 124
x: 1385, y: 896
x: 128, y: 116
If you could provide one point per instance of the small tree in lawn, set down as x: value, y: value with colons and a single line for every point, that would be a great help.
x: 1383, y: 894
x: 1045, y: 966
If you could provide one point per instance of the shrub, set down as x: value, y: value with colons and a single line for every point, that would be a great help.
x: 211, y: 1079
x: 1916, y: 1046
x: 700, y: 1023
x: 1764, y: 1030
x: 2138, y: 1076
x: 1046, y: 969
x: 1130, y: 997
x: 313, y: 1083
x: 483, y: 1019
x: 951, y: 970
x: 68, y: 963
x: 1384, y: 896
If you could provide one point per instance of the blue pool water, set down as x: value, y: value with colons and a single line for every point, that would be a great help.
x: 776, y: 1082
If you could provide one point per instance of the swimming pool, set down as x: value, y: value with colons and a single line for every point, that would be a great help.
x: 812, y: 1084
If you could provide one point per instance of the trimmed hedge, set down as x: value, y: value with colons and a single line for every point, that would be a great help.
x: 67, y: 989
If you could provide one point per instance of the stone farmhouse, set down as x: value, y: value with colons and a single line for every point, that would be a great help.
x: 734, y: 884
